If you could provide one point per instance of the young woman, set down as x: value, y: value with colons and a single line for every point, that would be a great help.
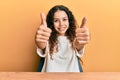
x: 60, y: 40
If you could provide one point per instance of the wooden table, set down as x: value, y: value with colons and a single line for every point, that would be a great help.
x: 59, y: 76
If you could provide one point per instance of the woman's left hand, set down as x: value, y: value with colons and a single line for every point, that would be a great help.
x: 82, y: 34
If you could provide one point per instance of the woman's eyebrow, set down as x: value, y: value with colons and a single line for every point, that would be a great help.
x: 59, y: 18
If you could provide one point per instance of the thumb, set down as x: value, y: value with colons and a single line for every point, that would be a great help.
x: 83, y: 22
x: 43, y: 19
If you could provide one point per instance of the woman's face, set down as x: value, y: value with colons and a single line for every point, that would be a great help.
x: 61, y: 22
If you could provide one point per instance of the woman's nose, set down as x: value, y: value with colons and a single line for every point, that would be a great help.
x: 61, y: 22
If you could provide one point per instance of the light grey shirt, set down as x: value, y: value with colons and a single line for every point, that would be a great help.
x: 65, y: 60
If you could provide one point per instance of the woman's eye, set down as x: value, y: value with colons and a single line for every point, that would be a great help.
x: 65, y: 19
x: 55, y: 20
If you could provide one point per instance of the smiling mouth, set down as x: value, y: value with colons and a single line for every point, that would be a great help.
x: 61, y: 29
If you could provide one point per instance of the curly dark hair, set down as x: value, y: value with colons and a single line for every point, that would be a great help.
x: 70, y: 33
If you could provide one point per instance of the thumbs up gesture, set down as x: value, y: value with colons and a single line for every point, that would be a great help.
x: 43, y: 33
x: 82, y: 35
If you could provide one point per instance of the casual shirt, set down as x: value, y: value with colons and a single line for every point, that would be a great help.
x: 64, y: 60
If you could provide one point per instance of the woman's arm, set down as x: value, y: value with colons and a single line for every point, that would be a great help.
x: 42, y: 52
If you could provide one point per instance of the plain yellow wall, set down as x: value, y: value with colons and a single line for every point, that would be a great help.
x: 19, y: 20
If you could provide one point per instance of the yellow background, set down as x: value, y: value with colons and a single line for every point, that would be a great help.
x: 19, y: 20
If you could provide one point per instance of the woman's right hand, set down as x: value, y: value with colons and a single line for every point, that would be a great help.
x: 43, y: 33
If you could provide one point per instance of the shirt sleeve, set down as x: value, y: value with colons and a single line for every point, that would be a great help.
x: 80, y: 53
x: 40, y: 52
